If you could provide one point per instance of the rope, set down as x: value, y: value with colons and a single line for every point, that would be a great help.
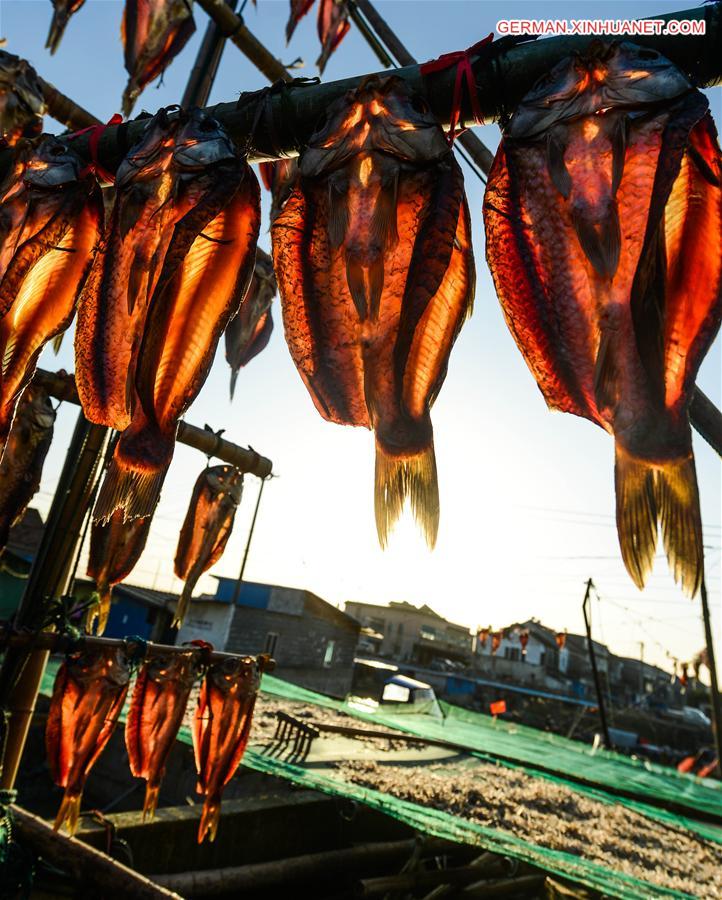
x: 96, y: 132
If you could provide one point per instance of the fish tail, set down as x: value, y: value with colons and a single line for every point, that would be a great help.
x: 136, y: 472
x: 69, y: 813
x: 58, y: 342
x: 234, y: 379
x: 98, y: 613
x: 636, y: 514
x: 401, y: 477
x: 209, y: 819
x: 150, y: 803
x: 57, y: 28
x: 129, y: 96
x: 183, y: 604
x: 680, y: 520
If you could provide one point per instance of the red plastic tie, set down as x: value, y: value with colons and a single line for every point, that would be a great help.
x: 462, y: 60
x: 96, y: 132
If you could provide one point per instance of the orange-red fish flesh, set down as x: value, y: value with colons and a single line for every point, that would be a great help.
x: 206, y: 271
x: 22, y: 463
x: 279, y: 178
x: 373, y: 257
x: 604, y: 236
x: 62, y: 11
x: 114, y: 303
x: 153, y: 33
x: 41, y: 284
x: 22, y: 103
x: 249, y: 331
x: 207, y: 527
x: 331, y: 23
x: 221, y: 729
x: 88, y: 695
x: 115, y: 548
x: 159, y: 700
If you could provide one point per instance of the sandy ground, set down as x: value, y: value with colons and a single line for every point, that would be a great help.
x: 551, y: 815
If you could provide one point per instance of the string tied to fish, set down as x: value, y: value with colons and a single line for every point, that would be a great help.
x: 464, y: 73
x: 95, y: 132
x: 135, y: 649
x: 264, y: 119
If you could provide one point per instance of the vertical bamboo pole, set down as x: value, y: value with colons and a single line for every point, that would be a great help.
x: 593, y: 661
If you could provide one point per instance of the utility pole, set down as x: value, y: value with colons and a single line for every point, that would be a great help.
x: 714, y: 686
x: 237, y: 589
x: 586, y: 610
x: 641, y: 670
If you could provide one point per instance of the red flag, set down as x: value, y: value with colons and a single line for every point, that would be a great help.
x: 561, y: 639
x: 482, y: 635
x: 496, y: 640
x: 497, y: 707
x: 524, y: 640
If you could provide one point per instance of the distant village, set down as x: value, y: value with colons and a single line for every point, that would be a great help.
x: 544, y: 677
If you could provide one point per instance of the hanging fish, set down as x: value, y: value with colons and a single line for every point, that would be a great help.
x: 206, y: 528
x: 16, y: 225
x: 22, y: 104
x: 153, y: 33
x: 205, y: 273
x: 115, y: 548
x: 373, y: 257
x: 22, y: 463
x: 278, y: 177
x: 41, y: 284
x: 62, y: 11
x: 221, y: 729
x: 249, y: 331
x: 157, y: 707
x: 603, y: 218
x: 88, y: 695
x: 113, y: 306
x: 331, y: 24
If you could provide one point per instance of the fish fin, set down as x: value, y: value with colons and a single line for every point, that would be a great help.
x: 209, y: 820
x: 606, y: 391
x: 601, y: 240
x: 58, y: 342
x: 383, y: 221
x: 356, y: 279
x: 69, y: 813
x: 677, y: 498
x: 399, y: 478
x: 150, y: 804
x: 57, y: 29
x: 636, y: 514
x: 337, y: 215
x: 557, y: 168
x: 619, y: 151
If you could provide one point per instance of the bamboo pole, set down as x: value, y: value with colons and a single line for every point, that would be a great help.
x: 62, y: 643
x: 502, y: 78
x: 62, y: 387
x: 99, y: 874
x: 217, y: 882
x: 234, y: 28
x: 65, y: 110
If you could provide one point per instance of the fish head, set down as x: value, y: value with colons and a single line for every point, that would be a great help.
x: 39, y: 408
x: 53, y: 165
x: 88, y: 665
x: 201, y: 142
x: 608, y: 76
x: 152, y: 154
x: 21, y: 98
x: 240, y: 676
x: 382, y: 114
x: 225, y: 480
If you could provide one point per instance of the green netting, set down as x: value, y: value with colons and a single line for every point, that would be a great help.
x: 610, y: 882
x: 494, y: 738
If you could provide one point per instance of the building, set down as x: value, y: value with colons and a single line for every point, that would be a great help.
x: 539, y: 666
x: 313, y: 642
x: 414, y: 634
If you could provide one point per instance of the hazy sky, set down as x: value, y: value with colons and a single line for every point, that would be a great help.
x: 527, y: 497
